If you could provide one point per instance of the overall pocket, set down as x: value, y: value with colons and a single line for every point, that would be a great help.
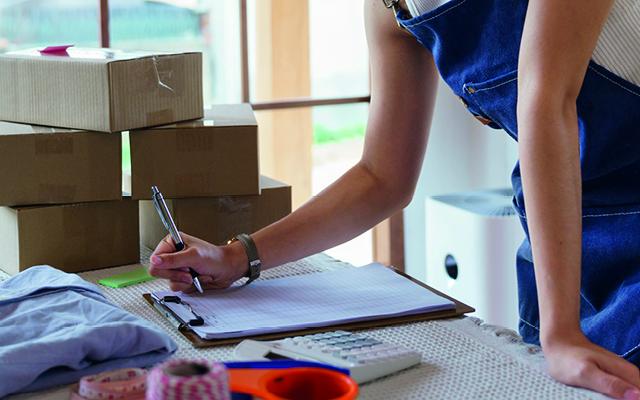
x: 496, y: 99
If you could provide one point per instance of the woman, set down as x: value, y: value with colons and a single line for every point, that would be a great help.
x: 525, y: 68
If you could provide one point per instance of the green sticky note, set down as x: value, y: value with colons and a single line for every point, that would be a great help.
x: 136, y: 276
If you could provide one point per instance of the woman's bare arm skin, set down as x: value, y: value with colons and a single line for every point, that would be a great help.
x: 558, y: 40
x: 403, y: 86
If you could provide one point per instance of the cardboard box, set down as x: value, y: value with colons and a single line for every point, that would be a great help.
x: 100, y: 89
x: 214, y: 156
x: 72, y: 237
x: 42, y: 165
x: 218, y: 219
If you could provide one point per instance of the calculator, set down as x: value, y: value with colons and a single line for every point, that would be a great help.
x: 366, y: 358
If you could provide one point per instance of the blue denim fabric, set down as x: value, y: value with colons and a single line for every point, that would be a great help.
x: 475, y: 45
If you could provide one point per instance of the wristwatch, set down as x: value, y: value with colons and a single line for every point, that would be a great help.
x: 255, y: 265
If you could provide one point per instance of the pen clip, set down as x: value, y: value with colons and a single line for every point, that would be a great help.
x: 165, y: 216
x: 157, y: 204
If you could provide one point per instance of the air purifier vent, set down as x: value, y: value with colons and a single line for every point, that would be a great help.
x: 471, y: 243
x: 490, y: 203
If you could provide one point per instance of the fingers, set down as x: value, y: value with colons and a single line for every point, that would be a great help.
x: 591, y: 376
x: 165, y: 246
x: 180, y: 259
x: 207, y: 281
x: 612, y: 386
x: 175, y: 275
x: 181, y: 287
x: 621, y: 368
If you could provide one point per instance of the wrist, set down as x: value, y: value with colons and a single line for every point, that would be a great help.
x: 556, y: 334
x: 236, y: 256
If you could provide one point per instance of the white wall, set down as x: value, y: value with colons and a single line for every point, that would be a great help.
x: 462, y: 155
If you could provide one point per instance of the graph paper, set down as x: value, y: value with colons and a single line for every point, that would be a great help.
x: 279, y: 305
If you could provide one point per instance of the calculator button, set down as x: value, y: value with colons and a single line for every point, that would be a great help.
x: 382, y: 346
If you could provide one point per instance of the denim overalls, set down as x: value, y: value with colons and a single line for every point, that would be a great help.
x: 475, y: 44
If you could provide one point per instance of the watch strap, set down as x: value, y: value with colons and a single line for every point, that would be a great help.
x: 255, y: 265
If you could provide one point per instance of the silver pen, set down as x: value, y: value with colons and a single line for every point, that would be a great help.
x: 167, y: 221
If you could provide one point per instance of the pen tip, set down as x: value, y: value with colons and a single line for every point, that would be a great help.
x: 196, y: 283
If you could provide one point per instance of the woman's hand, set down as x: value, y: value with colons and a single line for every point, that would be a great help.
x: 218, y: 266
x: 572, y: 359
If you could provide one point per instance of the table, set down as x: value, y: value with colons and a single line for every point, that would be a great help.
x: 462, y: 357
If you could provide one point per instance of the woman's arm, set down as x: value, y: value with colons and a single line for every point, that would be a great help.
x: 403, y: 86
x: 558, y: 40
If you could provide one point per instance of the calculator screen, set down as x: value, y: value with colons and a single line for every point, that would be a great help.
x: 273, y: 356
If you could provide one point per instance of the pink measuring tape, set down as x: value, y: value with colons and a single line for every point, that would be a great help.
x: 122, y: 384
x: 188, y: 379
x: 173, y: 380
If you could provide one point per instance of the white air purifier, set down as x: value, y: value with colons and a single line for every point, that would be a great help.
x: 472, y: 239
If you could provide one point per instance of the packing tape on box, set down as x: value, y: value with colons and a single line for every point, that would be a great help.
x: 163, y: 74
x: 186, y: 379
x: 154, y: 75
x: 122, y: 384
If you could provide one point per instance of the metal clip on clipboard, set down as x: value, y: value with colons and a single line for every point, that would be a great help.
x: 178, y: 322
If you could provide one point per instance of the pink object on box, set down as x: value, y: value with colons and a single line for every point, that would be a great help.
x: 56, y: 50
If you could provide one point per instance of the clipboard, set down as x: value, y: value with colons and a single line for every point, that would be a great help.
x: 197, y: 342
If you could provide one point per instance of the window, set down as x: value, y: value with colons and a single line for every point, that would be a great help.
x: 38, y: 23
x: 301, y: 63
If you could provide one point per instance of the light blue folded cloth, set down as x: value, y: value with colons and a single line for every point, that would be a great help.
x: 56, y: 328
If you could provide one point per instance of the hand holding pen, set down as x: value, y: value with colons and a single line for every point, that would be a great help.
x: 167, y: 221
x: 218, y: 266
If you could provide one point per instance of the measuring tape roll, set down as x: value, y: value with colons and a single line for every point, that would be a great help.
x: 122, y: 384
x: 188, y: 379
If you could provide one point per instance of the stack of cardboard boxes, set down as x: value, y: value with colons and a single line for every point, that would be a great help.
x: 61, y: 200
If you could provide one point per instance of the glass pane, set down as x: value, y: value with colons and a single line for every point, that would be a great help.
x: 337, y: 145
x: 41, y: 23
x: 311, y: 148
x: 208, y: 26
x: 312, y: 48
x: 339, y: 56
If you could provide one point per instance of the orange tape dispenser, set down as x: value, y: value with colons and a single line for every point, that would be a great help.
x: 289, y: 380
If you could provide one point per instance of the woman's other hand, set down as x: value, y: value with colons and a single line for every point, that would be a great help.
x: 218, y: 266
x: 572, y: 359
